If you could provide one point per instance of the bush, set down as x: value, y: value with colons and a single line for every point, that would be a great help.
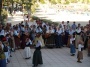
x: 45, y: 20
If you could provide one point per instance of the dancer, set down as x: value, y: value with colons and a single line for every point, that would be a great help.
x: 37, y: 56
x: 72, y: 46
x: 80, y: 51
x: 27, y: 50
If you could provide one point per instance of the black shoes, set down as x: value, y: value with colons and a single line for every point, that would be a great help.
x: 73, y: 55
x: 79, y: 61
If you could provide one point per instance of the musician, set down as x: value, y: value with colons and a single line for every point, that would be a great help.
x: 78, y: 35
x: 17, y: 38
x: 50, y: 41
x: 39, y: 30
x: 88, y: 42
x: 58, y: 38
x: 25, y: 35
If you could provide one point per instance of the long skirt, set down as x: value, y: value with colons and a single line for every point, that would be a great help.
x: 58, y: 41
x: 2, y: 62
x: 68, y: 44
x: 17, y: 42
x: 41, y: 39
x: 23, y: 38
x: 13, y: 42
x: 27, y: 52
x: 72, y: 49
x: 37, y: 58
x: 78, y: 37
x: 80, y: 55
x: 50, y: 41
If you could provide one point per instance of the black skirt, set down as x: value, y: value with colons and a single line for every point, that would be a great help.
x: 37, y: 57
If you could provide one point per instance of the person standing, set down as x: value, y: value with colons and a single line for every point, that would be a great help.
x: 72, y: 46
x: 80, y: 51
x: 78, y: 35
x: 37, y: 56
x: 27, y: 50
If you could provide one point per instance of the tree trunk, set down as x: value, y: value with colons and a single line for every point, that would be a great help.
x: 0, y: 10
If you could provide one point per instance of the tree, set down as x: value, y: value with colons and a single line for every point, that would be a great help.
x: 0, y: 10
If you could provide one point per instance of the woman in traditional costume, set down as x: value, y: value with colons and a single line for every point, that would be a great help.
x: 2, y: 56
x: 37, y: 56
x: 17, y: 38
x: 72, y: 45
x: 50, y: 38
x: 58, y: 38
x: 27, y: 51
x: 78, y: 36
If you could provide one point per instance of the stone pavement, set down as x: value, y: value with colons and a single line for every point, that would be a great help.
x: 59, y: 57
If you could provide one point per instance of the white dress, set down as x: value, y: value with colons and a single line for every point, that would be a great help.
x: 27, y: 50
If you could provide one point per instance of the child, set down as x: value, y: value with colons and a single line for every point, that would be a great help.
x: 72, y: 46
x: 27, y: 51
x: 6, y: 51
x: 80, y: 53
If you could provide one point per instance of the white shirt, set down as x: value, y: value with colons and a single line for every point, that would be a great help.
x: 50, y: 31
x: 15, y: 32
x: 78, y: 30
x: 38, y: 30
x: 29, y: 42
x: 2, y: 32
x: 59, y: 31
x: 38, y: 43
x: 80, y: 46
x: 71, y: 32
x: 71, y: 39
x: 22, y: 29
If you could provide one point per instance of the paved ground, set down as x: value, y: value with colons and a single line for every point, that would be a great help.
x: 51, y: 58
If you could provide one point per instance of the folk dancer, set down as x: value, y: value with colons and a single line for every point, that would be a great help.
x: 27, y: 51
x: 80, y: 51
x: 37, y: 56
x: 72, y: 45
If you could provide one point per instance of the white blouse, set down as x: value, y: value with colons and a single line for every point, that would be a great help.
x: 2, y: 32
x: 80, y: 46
x: 71, y: 39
